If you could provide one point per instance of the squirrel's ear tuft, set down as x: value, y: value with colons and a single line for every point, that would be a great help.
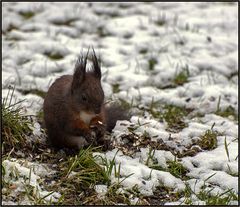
x: 96, y: 66
x: 79, y: 72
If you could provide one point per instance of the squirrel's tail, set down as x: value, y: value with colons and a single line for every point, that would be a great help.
x: 115, y: 112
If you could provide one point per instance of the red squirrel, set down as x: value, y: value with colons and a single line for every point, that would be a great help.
x: 75, y: 115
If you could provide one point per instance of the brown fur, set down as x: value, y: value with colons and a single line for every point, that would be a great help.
x: 72, y: 95
x: 64, y: 102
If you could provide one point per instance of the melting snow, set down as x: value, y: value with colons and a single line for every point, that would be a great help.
x: 128, y: 36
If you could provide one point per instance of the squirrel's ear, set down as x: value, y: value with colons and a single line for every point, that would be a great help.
x: 79, y: 72
x: 96, y: 67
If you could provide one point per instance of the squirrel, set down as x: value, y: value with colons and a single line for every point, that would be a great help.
x: 75, y: 114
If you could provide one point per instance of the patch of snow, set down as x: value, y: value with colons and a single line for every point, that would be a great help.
x: 145, y: 178
x: 19, y: 176
x: 101, y: 190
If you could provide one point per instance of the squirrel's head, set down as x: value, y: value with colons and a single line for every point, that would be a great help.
x: 86, y: 89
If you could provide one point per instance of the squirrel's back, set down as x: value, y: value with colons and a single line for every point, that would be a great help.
x: 55, y: 109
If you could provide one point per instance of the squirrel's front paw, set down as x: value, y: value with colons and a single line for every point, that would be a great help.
x: 91, y: 138
x: 98, y: 129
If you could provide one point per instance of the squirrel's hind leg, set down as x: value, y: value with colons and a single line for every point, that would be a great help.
x: 76, y: 142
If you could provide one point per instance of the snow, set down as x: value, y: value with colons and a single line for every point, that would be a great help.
x: 101, y: 190
x: 161, y: 156
x: 202, y: 36
x: 136, y: 173
x: 19, y: 175
x: 216, y: 161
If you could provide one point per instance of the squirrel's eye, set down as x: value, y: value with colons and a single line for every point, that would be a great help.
x: 84, y: 97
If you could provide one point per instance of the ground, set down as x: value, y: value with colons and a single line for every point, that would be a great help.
x: 174, y: 66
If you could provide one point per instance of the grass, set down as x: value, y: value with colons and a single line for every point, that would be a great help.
x: 102, y: 31
x: 33, y: 91
x: 64, y: 22
x: 33, y: 195
x: 77, y: 175
x: 10, y: 28
x: 88, y: 172
x: 40, y: 118
x: 126, y: 105
x: 173, y: 115
x: 161, y: 19
x: 205, y: 195
x: 80, y: 173
x: 53, y: 55
x: 226, y: 148
x: 151, y: 63
x: 227, y: 112
x: 219, y: 199
x: 29, y: 192
x: 161, y: 195
x: 27, y: 14
x: 208, y: 141
x: 173, y: 166
x: 15, y: 125
x: 112, y: 197
x: 143, y: 51
x: 177, y: 169
x: 155, y: 108
x: 115, y: 88
x: 128, y: 35
x: 182, y: 76
x: 230, y: 172
x: 151, y: 158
